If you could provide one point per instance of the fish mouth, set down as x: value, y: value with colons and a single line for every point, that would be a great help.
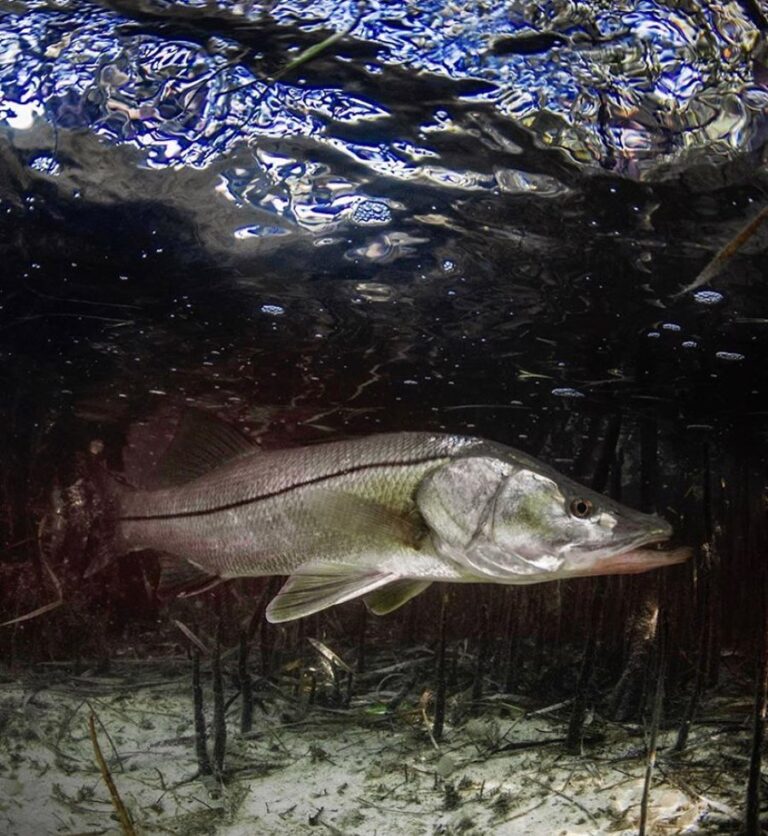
x: 638, y: 560
x: 644, y: 554
x: 641, y: 553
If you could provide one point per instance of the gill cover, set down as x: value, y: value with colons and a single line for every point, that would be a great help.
x: 492, y: 517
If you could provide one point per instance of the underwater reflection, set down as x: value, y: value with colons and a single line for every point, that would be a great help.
x: 640, y: 90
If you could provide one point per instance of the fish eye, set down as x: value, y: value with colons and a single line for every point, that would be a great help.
x: 581, y: 508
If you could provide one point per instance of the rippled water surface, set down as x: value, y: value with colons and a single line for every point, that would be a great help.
x: 468, y: 216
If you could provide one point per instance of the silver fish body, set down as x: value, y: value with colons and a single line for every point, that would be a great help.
x: 267, y: 513
x: 380, y: 517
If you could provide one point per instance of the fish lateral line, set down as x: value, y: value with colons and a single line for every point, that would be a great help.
x: 240, y: 503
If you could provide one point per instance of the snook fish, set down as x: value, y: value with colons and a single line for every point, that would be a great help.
x: 380, y: 517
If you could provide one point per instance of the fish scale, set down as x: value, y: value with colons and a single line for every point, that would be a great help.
x: 253, y: 515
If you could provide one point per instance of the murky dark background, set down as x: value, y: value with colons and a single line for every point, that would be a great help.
x: 465, y: 216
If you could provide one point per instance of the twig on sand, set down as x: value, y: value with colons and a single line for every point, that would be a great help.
x: 521, y: 813
x: 366, y: 803
x: 91, y: 832
x: 675, y: 779
x: 109, y: 737
x: 122, y: 813
x: 568, y: 798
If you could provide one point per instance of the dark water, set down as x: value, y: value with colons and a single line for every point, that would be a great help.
x: 471, y: 217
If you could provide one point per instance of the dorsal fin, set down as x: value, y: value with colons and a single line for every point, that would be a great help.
x: 202, y: 443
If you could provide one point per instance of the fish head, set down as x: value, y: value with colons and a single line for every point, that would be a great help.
x: 512, y: 519
x: 558, y: 525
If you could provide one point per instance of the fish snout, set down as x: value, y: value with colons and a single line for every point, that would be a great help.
x: 660, y: 530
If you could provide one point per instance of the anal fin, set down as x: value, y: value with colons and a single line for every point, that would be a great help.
x: 394, y: 595
x: 181, y: 579
x: 318, y: 586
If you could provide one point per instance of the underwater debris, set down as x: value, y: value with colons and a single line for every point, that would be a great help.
x: 45, y: 608
x: 726, y: 253
x: 126, y: 825
x: 196, y: 640
x: 527, y: 774
x: 451, y: 796
x: 502, y: 803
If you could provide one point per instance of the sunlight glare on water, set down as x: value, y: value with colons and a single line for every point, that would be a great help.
x: 627, y: 88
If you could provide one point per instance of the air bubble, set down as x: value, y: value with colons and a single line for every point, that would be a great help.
x: 371, y: 213
x: 46, y: 165
x: 567, y: 392
x: 708, y: 297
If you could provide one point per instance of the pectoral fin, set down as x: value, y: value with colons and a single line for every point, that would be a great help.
x: 316, y: 587
x: 394, y: 595
x: 365, y: 519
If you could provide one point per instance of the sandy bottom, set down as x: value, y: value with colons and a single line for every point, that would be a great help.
x: 305, y: 768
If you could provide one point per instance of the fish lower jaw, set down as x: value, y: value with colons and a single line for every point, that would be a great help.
x: 639, y: 559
